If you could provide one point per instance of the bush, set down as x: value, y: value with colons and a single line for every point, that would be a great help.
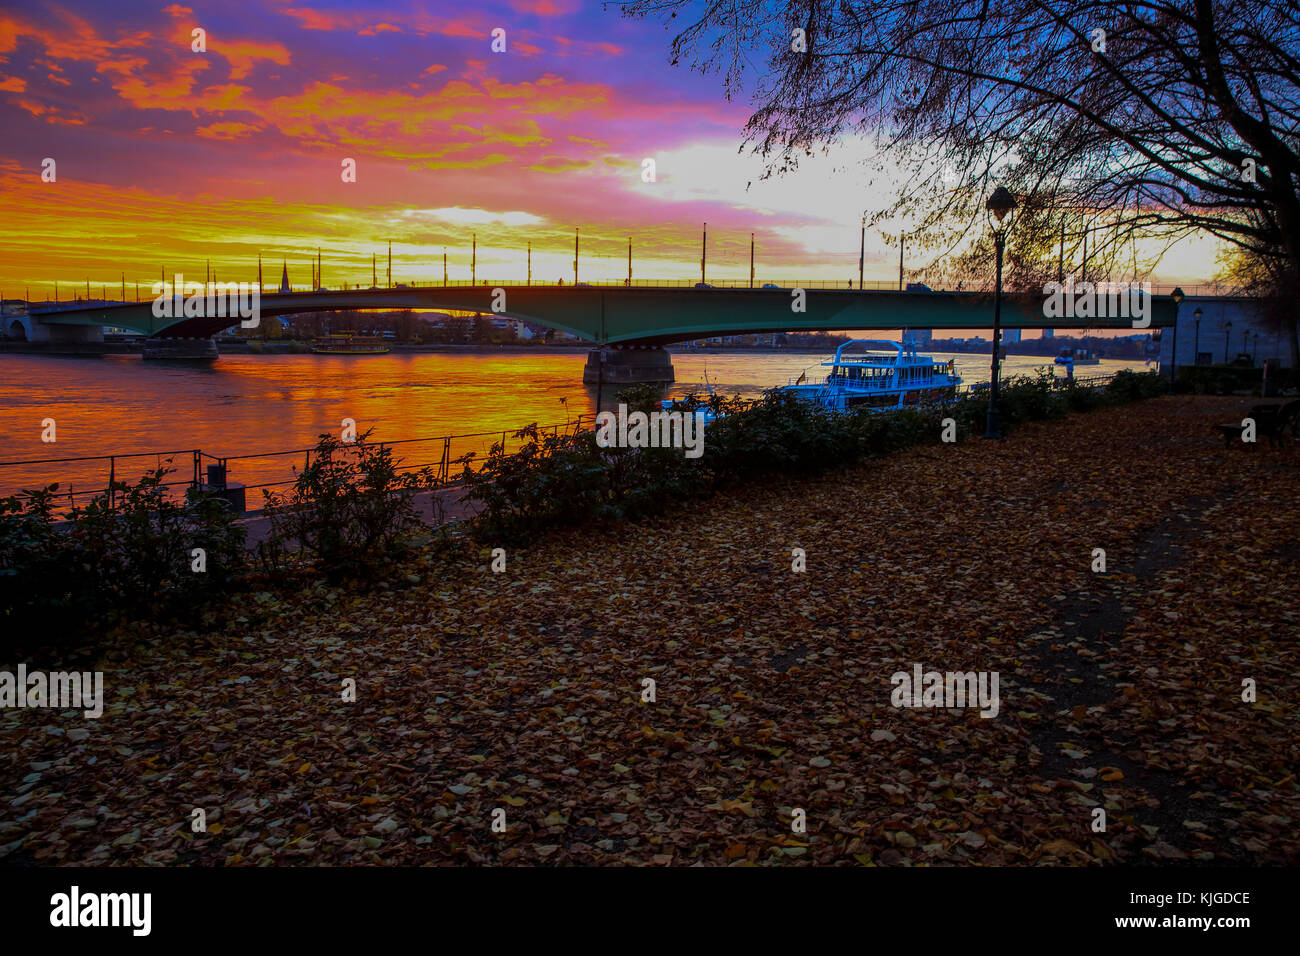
x: 569, y: 479
x: 1217, y: 379
x: 123, y: 554
x: 1130, y: 386
x: 349, y: 511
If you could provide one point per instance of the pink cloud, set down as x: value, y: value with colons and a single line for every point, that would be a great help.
x: 546, y: 8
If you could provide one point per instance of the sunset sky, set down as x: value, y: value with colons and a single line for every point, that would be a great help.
x: 167, y: 157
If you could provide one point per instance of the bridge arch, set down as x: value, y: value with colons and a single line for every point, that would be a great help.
x: 18, y: 328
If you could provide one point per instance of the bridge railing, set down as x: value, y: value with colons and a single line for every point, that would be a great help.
x: 872, y: 285
x: 782, y: 284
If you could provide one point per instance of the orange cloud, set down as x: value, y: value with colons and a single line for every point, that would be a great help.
x: 226, y: 131
x: 323, y: 20
x: 458, y: 29
x: 558, y: 164
x: 53, y: 114
x: 168, y: 91
x: 13, y: 84
x: 242, y: 53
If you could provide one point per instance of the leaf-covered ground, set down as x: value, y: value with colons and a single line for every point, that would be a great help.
x: 522, y: 690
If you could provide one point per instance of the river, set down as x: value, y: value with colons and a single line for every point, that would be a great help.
x: 250, y: 404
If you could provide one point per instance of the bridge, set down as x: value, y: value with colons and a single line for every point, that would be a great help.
x: 628, y: 324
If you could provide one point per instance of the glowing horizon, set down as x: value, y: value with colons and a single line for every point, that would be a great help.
x: 168, y: 159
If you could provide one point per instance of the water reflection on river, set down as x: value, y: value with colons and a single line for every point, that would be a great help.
x: 246, y: 404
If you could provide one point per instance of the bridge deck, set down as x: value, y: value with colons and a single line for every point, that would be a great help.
x: 643, y: 315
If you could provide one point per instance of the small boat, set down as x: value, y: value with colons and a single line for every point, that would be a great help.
x: 1077, y: 357
x: 701, y: 406
x: 898, y: 378
x: 349, y: 343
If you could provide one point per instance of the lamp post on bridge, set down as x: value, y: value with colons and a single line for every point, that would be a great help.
x: 862, y: 250
x: 704, y: 250
x: 998, y: 206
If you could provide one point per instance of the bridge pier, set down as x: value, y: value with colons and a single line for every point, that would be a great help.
x: 191, y: 350
x: 629, y: 365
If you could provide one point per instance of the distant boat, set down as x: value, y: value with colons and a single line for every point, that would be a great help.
x: 880, y: 381
x: 1077, y: 357
x: 349, y: 343
x: 693, y: 405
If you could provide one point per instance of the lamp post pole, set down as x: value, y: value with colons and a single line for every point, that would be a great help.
x: 991, y: 425
x: 862, y: 251
x: 1177, y: 296
x: 1227, y: 334
x: 998, y: 206
x: 704, y: 250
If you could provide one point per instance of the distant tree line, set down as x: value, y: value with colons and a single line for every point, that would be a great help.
x: 1117, y: 348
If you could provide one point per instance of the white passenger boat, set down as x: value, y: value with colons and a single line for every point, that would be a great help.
x: 884, y: 375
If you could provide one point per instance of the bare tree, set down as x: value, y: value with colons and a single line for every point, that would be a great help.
x: 1112, y: 121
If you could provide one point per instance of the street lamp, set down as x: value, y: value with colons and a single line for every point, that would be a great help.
x: 1196, y: 345
x: 1177, y: 296
x: 1227, y: 332
x: 998, y: 206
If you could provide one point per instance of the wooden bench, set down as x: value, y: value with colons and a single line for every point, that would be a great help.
x: 1271, y: 422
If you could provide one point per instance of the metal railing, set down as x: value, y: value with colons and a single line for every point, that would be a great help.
x: 111, y: 462
x: 450, y: 451
x: 1204, y: 289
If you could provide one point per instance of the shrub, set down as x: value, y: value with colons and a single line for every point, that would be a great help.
x: 122, y: 554
x: 349, y: 510
x: 1130, y: 386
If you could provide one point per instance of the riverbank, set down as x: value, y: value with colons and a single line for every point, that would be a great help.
x: 523, y: 690
x: 304, y: 348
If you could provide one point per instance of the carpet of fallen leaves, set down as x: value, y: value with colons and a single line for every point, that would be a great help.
x: 522, y: 690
